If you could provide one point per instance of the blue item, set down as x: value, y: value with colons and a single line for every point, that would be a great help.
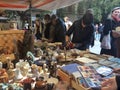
x: 70, y: 68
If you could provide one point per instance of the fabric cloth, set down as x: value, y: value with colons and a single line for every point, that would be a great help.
x: 118, y: 82
x: 106, y: 42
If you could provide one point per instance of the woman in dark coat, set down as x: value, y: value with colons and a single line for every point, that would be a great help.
x: 110, y: 25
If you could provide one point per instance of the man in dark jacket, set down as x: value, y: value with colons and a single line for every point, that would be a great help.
x: 83, y: 32
x: 59, y: 29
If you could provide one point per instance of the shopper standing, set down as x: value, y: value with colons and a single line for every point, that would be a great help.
x: 83, y: 31
x: 110, y: 25
x: 39, y: 29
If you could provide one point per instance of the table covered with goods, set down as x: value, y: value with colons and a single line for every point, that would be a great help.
x: 52, y: 66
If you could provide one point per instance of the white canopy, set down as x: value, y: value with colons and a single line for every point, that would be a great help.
x: 23, y: 5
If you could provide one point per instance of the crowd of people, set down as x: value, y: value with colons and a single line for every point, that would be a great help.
x: 79, y: 33
x: 83, y: 32
x: 52, y: 29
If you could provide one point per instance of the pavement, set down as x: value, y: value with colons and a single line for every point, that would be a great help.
x: 96, y: 48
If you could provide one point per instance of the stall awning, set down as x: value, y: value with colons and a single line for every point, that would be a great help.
x: 23, y: 5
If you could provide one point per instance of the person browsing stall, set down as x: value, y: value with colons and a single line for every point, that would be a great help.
x: 82, y: 31
x: 39, y: 29
x: 58, y: 29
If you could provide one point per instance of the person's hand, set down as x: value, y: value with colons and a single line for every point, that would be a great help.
x: 117, y: 70
x: 115, y: 34
x: 109, y: 84
x: 69, y: 44
x: 87, y: 50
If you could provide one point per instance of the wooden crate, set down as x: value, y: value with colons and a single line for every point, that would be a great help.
x: 66, y: 77
x: 63, y: 75
x: 78, y: 86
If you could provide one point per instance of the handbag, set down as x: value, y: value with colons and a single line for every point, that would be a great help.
x: 106, y: 42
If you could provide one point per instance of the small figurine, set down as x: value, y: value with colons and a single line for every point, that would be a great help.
x: 10, y: 65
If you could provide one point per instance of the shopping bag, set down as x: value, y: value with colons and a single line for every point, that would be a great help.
x: 106, y: 42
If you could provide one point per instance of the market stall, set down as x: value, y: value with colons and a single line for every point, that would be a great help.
x: 75, y: 68
x: 37, y: 4
x: 50, y: 65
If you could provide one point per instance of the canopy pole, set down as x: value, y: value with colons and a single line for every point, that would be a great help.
x: 30, y: 8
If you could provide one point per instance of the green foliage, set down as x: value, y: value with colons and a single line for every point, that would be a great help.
x: 101, y: 8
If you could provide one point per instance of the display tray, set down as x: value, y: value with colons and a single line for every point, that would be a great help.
x: 104, y: 70
x: 94, y: 56
x: 117, y: 60
x: 65, y: 59
x: 106, y: 62
x: 66, y: 77
x: 114, y: 65
x: 95, y: 65
x: 90, y: 77
x: 84, y: 60
x: 80, y: 77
